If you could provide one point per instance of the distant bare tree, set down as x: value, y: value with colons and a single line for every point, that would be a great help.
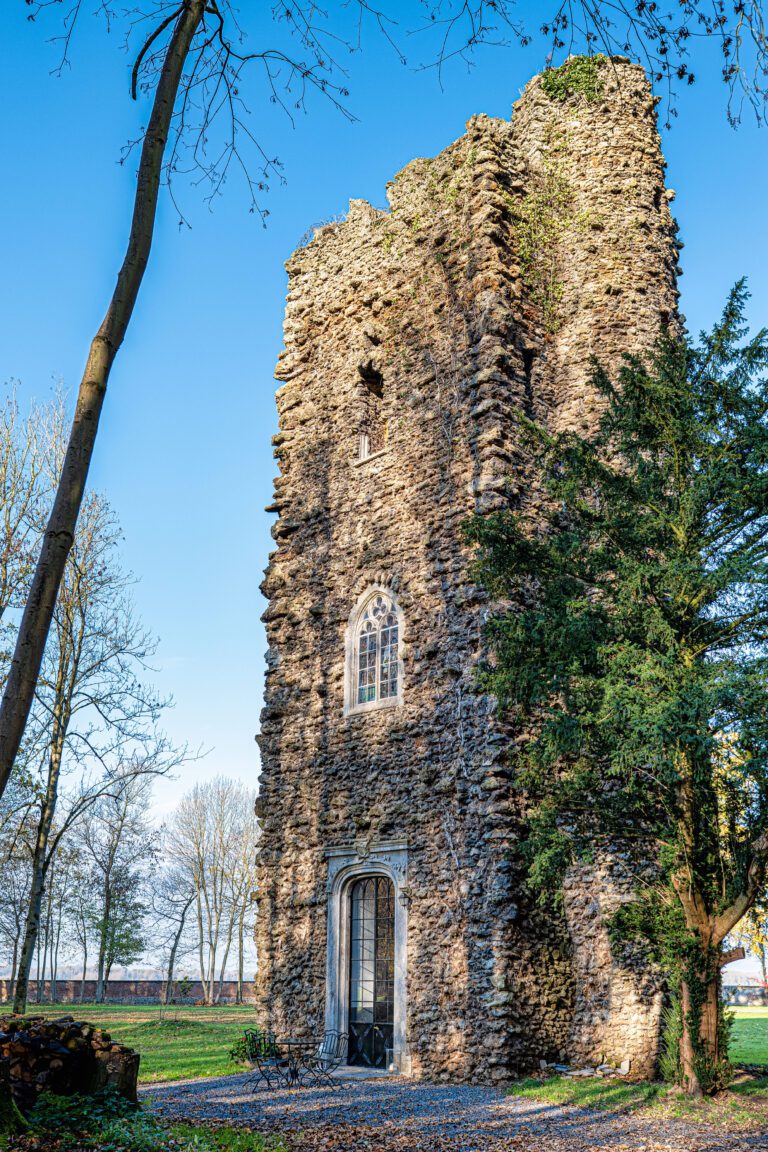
x: 81, y: 911
x: 97, y: 717
x: 23, y: 489
x: 59, y: 892
x: 193, y: 63
x: 122, y: 848
x: 212, y: 839
x: 15, y: 900
x: 173, y: 895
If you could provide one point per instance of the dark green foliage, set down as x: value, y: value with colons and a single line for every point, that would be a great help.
x: 11, y: 1120
x: 633, y: 655
x: 79, y: 1113
x: 108, y: 1123
x: 105, y: 1121
x: 239, y: 1050
x: 669, y: 1064
x: 579, y: 76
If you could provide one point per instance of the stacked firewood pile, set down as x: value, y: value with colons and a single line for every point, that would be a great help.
x: 63, y: 1056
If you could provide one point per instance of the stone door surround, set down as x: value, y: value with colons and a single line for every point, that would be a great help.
x: 345, y: 864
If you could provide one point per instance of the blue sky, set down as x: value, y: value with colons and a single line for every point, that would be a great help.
x: 184, y: 450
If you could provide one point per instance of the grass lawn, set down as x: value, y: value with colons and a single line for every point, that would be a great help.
x: 744, y: 1105
x: 186, y: 1043
x: 749, y: 1037
x: 175, y: 1043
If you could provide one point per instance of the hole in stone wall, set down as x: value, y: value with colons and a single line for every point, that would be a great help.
x: 529, y: 356
x: 373, y: 426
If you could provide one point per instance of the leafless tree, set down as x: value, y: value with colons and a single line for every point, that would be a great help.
x: 194, y: 63
x: 173, y: 895
x: 212, y: 839
x: 15, y: 901
x: 81, y: 909
x: 22, y: 492
x: 122, y: 848
x: 59, y: 892
x: 98, y: 718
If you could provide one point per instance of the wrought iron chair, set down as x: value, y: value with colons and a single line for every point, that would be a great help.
x: 330, y: 1054
x: 265, y: 1059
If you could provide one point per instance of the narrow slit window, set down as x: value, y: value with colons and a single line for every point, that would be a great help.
x: 373, y: 426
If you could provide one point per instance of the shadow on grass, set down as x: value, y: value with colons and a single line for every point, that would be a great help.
x: 757, y: 1086
x: 606, y: 1095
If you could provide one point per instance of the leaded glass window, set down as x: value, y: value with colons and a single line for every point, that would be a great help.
x: 377, y: 648
x: 371, y: 971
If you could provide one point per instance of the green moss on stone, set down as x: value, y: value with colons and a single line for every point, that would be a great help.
x: 579, y: 76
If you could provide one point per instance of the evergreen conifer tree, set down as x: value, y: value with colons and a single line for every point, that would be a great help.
x: 631, y: 652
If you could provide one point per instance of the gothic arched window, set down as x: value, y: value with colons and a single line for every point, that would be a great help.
x: 373, y: 652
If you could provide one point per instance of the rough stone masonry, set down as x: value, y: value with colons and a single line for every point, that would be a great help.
x: 414, y: 339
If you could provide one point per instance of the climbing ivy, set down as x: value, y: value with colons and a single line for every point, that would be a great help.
x: 579, y: 76
x: 541, y: 218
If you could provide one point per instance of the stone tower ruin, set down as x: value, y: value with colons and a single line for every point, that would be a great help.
x: 392, y: 905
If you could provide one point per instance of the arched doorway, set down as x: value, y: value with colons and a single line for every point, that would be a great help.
x: 371, y: 971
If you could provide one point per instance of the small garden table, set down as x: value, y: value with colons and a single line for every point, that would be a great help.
x: 294, y: 1048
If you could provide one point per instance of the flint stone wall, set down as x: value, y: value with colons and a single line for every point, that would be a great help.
x: 442, y: 297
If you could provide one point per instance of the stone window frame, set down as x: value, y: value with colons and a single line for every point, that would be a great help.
x: 345, y: 865
x: 373, y: 435
x: 351, y: 653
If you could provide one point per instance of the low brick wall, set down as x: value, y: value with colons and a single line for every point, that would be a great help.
x: 123, y: 992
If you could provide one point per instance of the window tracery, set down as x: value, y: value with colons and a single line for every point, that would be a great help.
x: 374, y: 675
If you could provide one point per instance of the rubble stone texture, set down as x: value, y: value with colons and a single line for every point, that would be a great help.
x: 502, y: 267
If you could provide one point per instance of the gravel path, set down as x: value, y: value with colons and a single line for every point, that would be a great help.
x: 403, y: 1114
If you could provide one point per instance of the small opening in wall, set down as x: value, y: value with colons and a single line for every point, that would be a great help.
x: 373, y: 430
x: 529, y: 356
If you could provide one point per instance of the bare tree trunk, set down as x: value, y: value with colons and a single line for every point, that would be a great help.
x: 56, y: 946
x: 42, y: 953
x: 201, y: 946
x: 103, y: 941
x: 240, y: 955
x: 37, y: 976
x: 174, y: 949
x: 225, y: 958
x: 39, y: 869
x: 59, y: 535
x: 21, y: 990
x: 85, y: 966
x: 166, y: 991
x: 14, y: 962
